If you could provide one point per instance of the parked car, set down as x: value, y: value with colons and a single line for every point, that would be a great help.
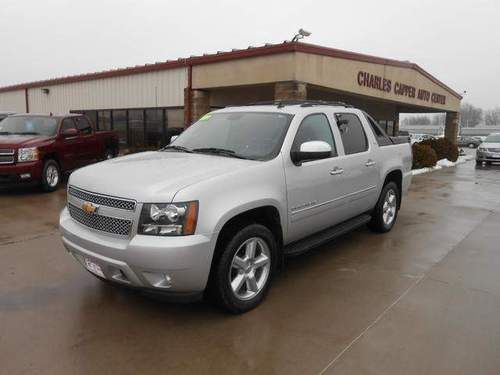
x: 217, y: 210
x: 39, y: 148
x: 465, y: 141
x: 479, y: 138
x: 489, y: 151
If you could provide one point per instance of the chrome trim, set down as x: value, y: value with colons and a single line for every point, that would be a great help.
x: 334, y: 200
x: 7, y: 152
x: 102, y: 199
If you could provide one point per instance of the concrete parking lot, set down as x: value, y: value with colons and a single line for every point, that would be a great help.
x: 422, y: 299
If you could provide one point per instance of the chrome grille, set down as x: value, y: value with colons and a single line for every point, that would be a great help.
x: 493, y: 149
x: 100, y: 222
x: 102, y: 200
x: 6, y: 156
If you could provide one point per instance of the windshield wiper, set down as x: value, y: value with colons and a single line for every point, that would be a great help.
x: 177, y: 148
x: 26, y: 133
x: 219, y: 151
x: 5, y: 133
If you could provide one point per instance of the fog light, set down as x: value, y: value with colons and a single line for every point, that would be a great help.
x: 158, y: 280
x: 25, y: 176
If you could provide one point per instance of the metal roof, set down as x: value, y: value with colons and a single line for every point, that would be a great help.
x: 267, y: 49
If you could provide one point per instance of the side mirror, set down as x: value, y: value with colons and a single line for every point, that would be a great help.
x: 312, y: 150
x: 173, y: 138
x: 68, y: 133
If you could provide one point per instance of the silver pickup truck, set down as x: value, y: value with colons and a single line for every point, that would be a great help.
x: 217, y: 211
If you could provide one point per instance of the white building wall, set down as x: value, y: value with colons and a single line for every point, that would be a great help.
x: 163, y: 88
x: 13, y: 101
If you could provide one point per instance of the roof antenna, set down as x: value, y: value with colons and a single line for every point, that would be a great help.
x: 301, y: 34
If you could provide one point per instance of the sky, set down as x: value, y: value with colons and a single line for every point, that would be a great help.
x: 458, y: 41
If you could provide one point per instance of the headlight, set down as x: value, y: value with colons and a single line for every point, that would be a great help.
x: 168, y: 219
x: 27, y: 154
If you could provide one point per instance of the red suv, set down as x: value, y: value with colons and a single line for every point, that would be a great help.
x: 39, y: 148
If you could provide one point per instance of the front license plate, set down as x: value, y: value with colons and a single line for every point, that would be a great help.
x: 94, y: 268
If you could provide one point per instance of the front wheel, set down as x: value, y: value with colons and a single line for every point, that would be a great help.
x: 386, y: 211
x: 243, y: 272
x: 51, y: 176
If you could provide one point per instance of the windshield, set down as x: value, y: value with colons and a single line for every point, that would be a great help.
x: 251, y: 135
x: 28, y: 125
x: 492, y: 138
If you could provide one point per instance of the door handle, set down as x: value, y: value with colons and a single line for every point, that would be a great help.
x: 336, y: 171
x: 370, y: 163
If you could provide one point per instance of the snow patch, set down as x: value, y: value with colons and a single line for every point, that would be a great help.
x: 443, y: 163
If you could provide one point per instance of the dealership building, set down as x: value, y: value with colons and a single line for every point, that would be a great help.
x: 144, y: 104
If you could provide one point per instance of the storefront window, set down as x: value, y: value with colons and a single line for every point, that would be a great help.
x: 104, y: 120
x: 154, y: 128
x: 136, y: 128
x: 175, y: 123
x: 120, y: 127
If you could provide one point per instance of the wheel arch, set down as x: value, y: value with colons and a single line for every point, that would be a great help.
x: 396, y: 176
x: 266, y: 214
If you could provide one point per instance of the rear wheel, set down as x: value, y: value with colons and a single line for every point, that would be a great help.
x: 51, y: 176
x: 386, y: 211
x: 109, y: 154
x: 242, y: 273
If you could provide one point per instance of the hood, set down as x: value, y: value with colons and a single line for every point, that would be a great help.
x: 490, y: 145
x: 153, y: 176
x: 18, y: 140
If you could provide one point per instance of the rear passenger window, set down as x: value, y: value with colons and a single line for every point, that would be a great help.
x: 352, y: 133
x: 314, y: 128
x: 380, y: 136
x: 83, y: 125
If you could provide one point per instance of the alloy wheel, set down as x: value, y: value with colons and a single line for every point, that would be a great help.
x: 250, y: 268
x: 389, y: 207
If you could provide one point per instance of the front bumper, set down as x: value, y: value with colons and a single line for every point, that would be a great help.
x: 488, y: 157
x: 20, y: 173
x: 173, y: 265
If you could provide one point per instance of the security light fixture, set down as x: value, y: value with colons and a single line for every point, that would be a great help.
x: 301, y: 34
x: 46, y: 91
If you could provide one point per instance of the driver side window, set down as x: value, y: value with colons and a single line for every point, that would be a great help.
x: 67, y: 124
x: 314, y: 127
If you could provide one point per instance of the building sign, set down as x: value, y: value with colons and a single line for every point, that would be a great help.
x: 398, y: 88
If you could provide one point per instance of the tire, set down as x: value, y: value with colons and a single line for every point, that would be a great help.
x: 232, y: 268
x: 51, y: 176
x: 383, y: 221
x: 109, y: 154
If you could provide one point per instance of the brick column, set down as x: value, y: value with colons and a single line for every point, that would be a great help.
x: 196, y: 104
x: 395, y: 128
x: 290, y: 90
x: 451, y: 128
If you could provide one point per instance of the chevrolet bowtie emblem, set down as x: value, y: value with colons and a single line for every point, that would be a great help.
x: 89, y: 208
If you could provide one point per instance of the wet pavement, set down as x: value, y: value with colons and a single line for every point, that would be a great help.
x: 422, y: 299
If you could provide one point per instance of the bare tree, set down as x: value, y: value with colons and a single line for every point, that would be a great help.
x: 470, y: 116
x: 416, y: 120
x: 492, y: 116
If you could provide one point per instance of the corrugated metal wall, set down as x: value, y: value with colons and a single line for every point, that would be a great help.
x: 13, y: 101
x: 162, y: 88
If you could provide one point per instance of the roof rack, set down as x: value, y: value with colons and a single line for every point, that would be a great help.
x: 302, y: 103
